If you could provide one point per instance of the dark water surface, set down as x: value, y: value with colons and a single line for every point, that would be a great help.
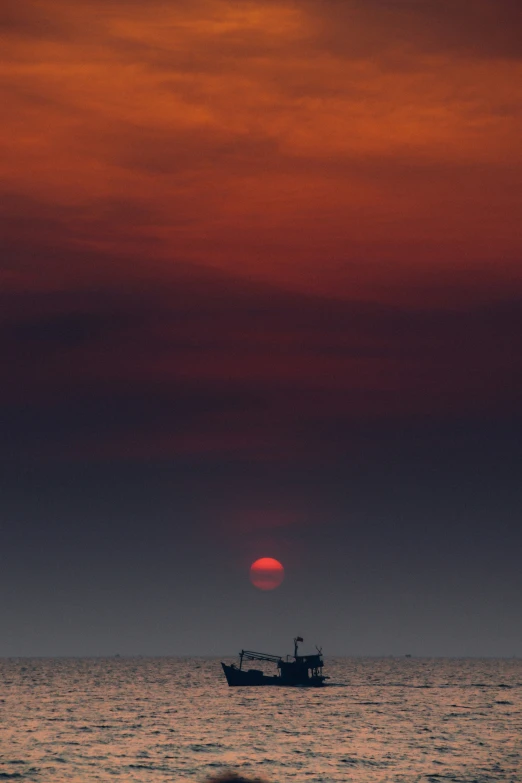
x: 172, y: 719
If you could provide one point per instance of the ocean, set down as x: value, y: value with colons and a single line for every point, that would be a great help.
x: 175, y: 719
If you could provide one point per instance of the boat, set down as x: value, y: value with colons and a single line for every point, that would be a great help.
x: 300, y: 671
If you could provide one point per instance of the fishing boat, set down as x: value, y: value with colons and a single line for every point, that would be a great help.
x: 301, y: 671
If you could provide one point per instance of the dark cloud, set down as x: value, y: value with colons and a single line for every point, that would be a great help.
x: 208, y: 356
x: 483, y: 28
x: 30, y: 20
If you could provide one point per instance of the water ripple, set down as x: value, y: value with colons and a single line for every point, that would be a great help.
x: 158, y: 720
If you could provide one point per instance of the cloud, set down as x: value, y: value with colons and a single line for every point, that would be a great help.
x: 209, y: 364
x: 392, y: 28
x: 246, y: 227
x: 31, y: 20
x: 231, y: 128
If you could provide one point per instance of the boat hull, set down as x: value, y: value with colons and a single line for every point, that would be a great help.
x: 255, y: 678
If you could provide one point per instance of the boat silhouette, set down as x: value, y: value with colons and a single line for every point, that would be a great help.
x: 302, y: 671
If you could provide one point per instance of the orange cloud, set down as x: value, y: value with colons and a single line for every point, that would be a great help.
x: 312, y: 144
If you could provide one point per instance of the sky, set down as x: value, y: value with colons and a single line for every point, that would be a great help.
x: 261, y: 296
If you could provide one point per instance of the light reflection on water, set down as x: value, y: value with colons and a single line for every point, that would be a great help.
x: 171, y: 719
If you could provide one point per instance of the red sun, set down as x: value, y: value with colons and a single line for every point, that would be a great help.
x: 266, y: 573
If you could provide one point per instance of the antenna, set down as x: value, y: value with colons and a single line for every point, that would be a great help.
x: 296, y: 641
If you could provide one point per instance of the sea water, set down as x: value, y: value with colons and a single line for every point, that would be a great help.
x: 172, y: 719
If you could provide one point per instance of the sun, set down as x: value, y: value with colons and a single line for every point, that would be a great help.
x: 266, y: 573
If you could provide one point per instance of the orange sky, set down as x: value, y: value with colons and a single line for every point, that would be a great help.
x: 347, y: 147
